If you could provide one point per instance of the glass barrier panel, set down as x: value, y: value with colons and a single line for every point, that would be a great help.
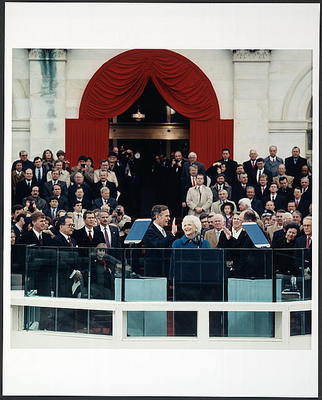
x: 159, y: 323
x: 73, y: 272
x: 241, y: 324
x: 292, y: 271
x: 18, y: 267
x: 41, y: 271
x: 300, y: 323
x: 139, y: 274
x: 146, y: 275
x: 68, y: 320
x: 105, y: 279
x: 198, y: 275
x: 145, y: 278
x: 249, y: 280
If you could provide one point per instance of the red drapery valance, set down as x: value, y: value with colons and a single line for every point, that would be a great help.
x: 182, y: 84
x: 121, y: 81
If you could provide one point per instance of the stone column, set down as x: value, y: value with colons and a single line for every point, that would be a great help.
x: 20, y: 102
x: 251, y: 102
x: 47, y: 100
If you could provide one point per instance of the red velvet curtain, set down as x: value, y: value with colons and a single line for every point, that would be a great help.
x: 208, y: 138
x: 121, y: 81
x: 86, y: 137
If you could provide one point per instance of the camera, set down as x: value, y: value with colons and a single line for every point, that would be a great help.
x: 83, y: 165
x: 118, y: 211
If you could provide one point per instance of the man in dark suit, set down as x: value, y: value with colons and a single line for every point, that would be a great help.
x: 306, y: 189
x: 23, y: 188
x: 17, y: 175
x: 71, y: 272
x: 87, y: 236
x: 174, y: 192
x: 63, y: 203
x: 156, y: 236
x: 301, y: 204
x: 109, y: 234
x: 278, y: 199
x: 40, y: 173
x: 79, y: 183
x: 305, y: 241
x: 250, y: 166
x: 35, y: 199
x: 79, y: 196
x: 40, y: 263
x: 24, y: 160
x: 105, y: 202
x: 36, y: 235
x: 157, y: 262
x: 262, y: 189
x: 220, y: 185
x: 53, y: 207
x: 284, y: 189
x: 256, y: 204
x: 305, y: 173
x: 47, y: 187
x: 260, y: 170
x: 192, y: 160
x: 103, y: 182
x: 64, y: 237
x: 18, y: 227
x: 231, y: 165
x: 239, y: 189
x: 294, y: 163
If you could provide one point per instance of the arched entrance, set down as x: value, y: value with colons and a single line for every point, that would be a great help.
x: 121, y: 81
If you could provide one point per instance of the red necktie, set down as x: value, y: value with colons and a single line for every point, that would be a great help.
x: 307, y: 244
x: 296, y: 203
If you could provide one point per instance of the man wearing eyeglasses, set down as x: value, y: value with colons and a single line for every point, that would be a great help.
x: 24, y: 160
x: 66, y: 228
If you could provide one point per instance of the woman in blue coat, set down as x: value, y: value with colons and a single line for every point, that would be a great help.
x: 187, y: 271
x: 191, y: 226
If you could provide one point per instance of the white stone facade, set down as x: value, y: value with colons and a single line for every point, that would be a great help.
x: 268, y: 94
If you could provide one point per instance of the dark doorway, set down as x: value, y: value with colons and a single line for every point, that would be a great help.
x: 153, y: 177
x: 167, y: 130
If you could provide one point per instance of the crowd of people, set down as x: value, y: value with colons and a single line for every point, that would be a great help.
x: 276, y: 192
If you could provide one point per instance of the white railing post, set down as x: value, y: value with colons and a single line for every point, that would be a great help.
x: 203, y: 324
x: 119, y: 325
x: 286, y: 325
x: 17, y: 318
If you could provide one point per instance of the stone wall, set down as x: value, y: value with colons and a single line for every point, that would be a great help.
x: 267, y: 93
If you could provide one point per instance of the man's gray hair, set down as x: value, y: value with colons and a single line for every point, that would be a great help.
x: 104, y: 189
x: 246, y: 202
